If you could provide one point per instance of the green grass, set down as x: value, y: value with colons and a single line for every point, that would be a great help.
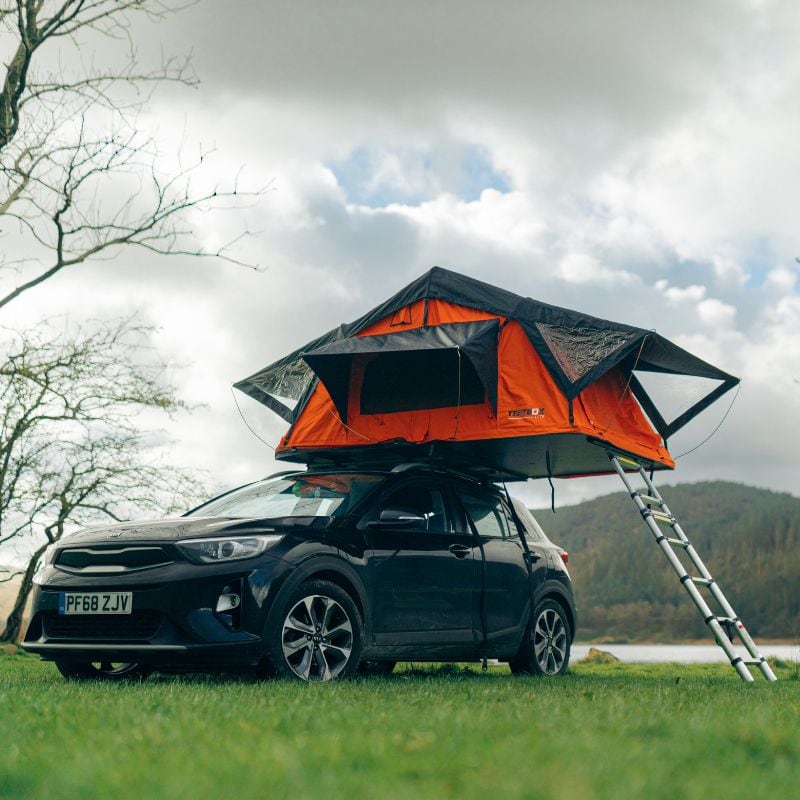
x: 603, y: 731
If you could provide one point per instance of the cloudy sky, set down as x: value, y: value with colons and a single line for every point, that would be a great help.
x: 636, y: 161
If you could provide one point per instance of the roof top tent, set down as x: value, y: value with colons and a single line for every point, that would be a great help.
x: 454, y: 370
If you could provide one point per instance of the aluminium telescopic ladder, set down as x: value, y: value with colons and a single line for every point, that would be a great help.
x: 655, y: 513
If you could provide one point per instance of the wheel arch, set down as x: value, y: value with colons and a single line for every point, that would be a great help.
x: 328, y: 568
x: 343, y: 582
x: 557, y: 594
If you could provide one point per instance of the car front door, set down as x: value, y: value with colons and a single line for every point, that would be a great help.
x: 507, y: 576
x: 424, y: 576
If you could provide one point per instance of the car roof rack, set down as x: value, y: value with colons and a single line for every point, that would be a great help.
x: 410, y: 465
x: 282, y: 473
x: 439, y: 468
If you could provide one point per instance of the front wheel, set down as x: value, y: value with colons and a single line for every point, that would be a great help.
x: 102, y: 670
x: 545, y: 649
x: 317, y: 637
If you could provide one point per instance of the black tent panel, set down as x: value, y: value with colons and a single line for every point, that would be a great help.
x: 444, y: 284
x: 660, y: 355
x: 333, y: 369
x: 430, y: 367
x: 649, y: 407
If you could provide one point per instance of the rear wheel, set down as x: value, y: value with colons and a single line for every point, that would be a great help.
x: 103, y: 670
x: 545, y: 650
x: 317, y: 637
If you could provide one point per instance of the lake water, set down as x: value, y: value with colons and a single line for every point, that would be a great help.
x: 679, y: 653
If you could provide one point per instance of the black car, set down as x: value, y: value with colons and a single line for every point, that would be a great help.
x: 312, y: 575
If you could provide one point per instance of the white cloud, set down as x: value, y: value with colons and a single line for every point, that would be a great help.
x: 715, y: 313
x: 675, y: 295
x: 584, y: 269
x: 782, y: 279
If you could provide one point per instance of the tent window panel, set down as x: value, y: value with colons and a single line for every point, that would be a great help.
x: 419, y: 379
x: 577, y: 350
x: 287, y: 383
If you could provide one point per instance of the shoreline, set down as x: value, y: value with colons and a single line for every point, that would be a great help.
x: 603, y: 642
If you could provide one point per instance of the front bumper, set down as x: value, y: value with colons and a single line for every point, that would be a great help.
x: 173, y: 622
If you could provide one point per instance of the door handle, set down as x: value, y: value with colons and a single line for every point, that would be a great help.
x: 459, y: 550
x: 529, y: 555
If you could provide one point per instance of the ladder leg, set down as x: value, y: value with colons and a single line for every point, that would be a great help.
x: 714, y: 587
x: 664, y: 515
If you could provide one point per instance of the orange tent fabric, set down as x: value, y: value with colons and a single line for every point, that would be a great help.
x: 529, y: 402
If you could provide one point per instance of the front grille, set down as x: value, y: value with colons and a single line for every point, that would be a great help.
x: 137, y: 626
x: 110, y: 558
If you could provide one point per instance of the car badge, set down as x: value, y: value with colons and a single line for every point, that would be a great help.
x: 114, y: 534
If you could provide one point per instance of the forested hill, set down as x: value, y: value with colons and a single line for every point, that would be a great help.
x: 626, y: 590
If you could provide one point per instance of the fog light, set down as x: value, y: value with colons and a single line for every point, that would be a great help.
x: 227, y: 602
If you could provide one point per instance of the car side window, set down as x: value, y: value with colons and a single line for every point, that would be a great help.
x: 421, y: 500
x: 487, y: 514
x: 532, y: 528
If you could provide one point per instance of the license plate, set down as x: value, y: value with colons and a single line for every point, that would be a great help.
x: 95, y: 602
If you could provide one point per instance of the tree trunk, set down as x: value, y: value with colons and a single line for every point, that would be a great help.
x: 14, y: 621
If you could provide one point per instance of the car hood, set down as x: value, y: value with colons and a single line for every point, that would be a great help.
x: 170, y: 530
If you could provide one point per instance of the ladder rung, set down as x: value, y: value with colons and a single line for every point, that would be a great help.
x: 629, y: 461
x: 754, y: 663
x: 702, y: 581
x: 726, y: 619
x: 665, y: 518
x: 648, y: 499
x: 678, y: 542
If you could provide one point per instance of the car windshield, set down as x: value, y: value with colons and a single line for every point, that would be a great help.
x: 319, y: 495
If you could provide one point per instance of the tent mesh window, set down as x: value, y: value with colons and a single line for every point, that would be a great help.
x: 286, y: 383
x: 577, y: 350
x: 420, y: 379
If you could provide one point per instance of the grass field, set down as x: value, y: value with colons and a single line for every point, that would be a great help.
x: 602, y: 731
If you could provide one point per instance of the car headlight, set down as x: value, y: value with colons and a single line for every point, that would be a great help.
x: 217, y: 550
x: 46, y: 560
x: 48, y: 555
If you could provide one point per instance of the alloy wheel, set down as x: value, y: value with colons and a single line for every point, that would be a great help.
x: 550, y: 641
x: 317, y: 638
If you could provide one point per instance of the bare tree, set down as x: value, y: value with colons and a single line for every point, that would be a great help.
x: 78, y: 179
x: 71, y: 448
x: 82, y: 179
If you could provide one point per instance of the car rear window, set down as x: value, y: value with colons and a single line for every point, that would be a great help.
x: 532, y: 527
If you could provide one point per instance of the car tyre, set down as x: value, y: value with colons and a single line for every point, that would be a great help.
x: 317, y: 635
x: 545, y: 649
x: 103, y: 670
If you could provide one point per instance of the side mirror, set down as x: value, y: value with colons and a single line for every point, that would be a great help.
x: 398, y: 518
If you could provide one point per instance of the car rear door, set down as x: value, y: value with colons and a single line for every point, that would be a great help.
x: 424, y: 578
x: 505, y: 562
